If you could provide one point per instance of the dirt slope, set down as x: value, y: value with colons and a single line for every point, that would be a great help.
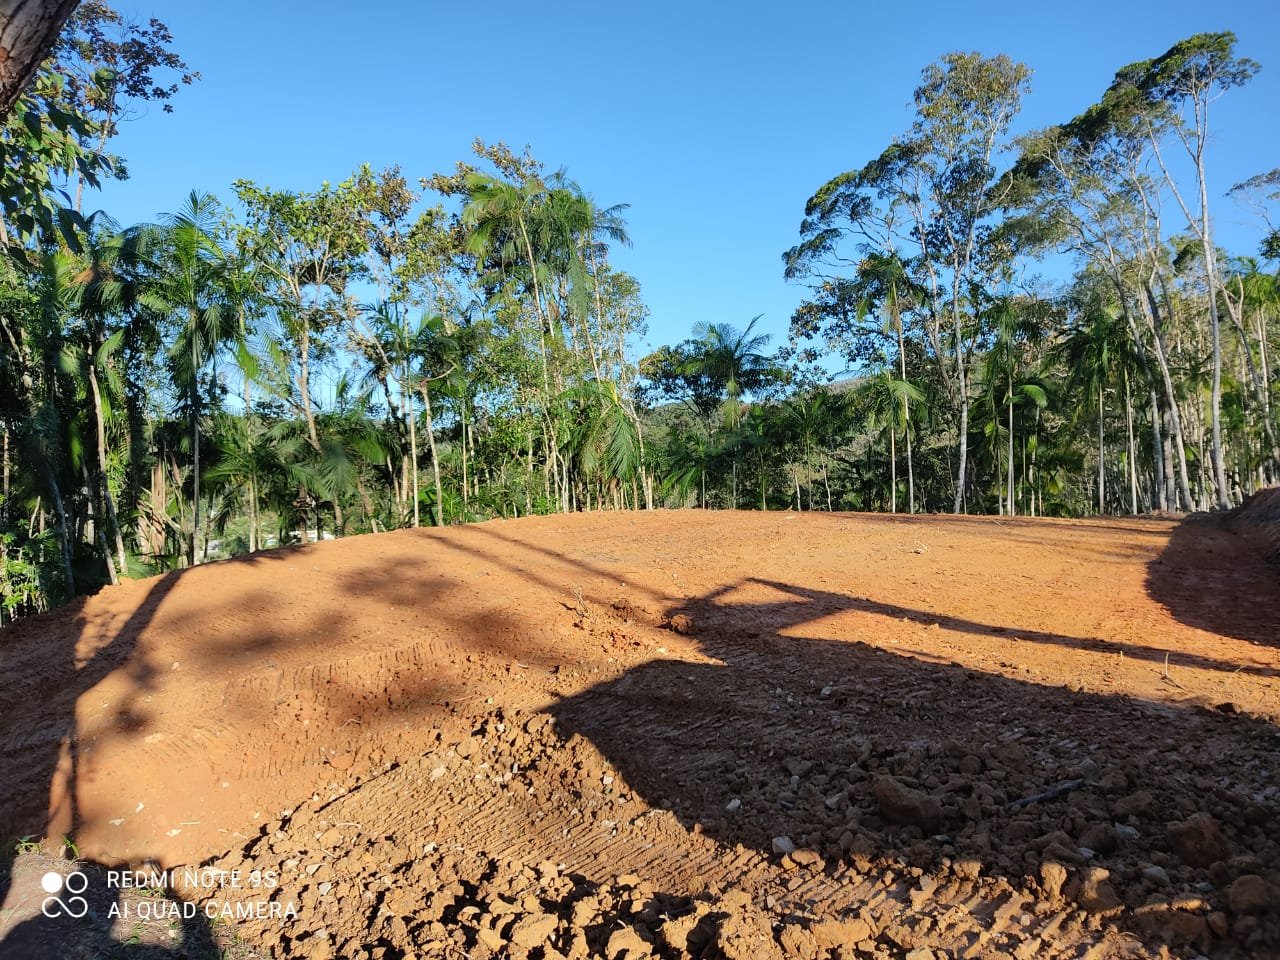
x: 603, y: 723
x: 1259, y: 518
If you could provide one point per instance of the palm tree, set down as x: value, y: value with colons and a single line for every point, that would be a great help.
x: 244, y: 461
x: 1091, y: 352
x: 1015, y: 323
x: 47, y: 445
x: 188, y: 282
x: 604, y: 444
x: 732, y: 361
x: 111, y: 281
x: 510, y: 230
x: 1247, y: 290
x: 882, y: 279
x: 888, y: 401
x: 437, y: 355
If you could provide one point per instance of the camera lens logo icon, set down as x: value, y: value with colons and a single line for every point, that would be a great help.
x: 71, y: 904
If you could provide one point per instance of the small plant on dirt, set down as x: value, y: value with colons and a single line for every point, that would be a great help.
x: 27, y: 844
x: 69, y: 848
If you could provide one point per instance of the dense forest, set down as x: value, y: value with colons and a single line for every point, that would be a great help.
x: 1023, y: 323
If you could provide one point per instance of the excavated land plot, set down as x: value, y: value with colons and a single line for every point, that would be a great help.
x: 678, y: 734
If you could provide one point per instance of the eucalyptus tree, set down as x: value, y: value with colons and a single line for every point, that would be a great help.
x: 1261, y: 193
x: 1169, y: 98
x: 1083, y: 188
x: 929, y: 201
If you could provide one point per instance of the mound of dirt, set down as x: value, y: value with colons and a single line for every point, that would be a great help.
x: 1259, y: 516
x: 830, y: 736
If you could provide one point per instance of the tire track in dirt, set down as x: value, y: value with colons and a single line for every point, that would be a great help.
x: 953, y: 673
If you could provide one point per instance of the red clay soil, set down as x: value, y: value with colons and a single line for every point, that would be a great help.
x: 1259, y: 517
x: 676, y: 734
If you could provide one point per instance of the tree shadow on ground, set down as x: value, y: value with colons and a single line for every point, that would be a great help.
x: 867, y: 756
x: 39, y: 719
x: 51, y: 662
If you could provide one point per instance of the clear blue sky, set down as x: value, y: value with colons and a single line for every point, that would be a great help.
x: 715, y: 121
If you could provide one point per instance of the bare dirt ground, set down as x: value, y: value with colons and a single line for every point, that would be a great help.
x: 672, y: 734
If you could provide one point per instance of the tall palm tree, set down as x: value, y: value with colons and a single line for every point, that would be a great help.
x: 732, y: 361
x: 882, y: 280
x: 245, y: 460
x: 188, y: 282
x: 888, y: 402
x: 1250, y: 293
x: 111, y: 278
x: 1092, y: 351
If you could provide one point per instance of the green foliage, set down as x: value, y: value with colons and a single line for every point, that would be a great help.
x: 368, y: 355
x: 29, y: 574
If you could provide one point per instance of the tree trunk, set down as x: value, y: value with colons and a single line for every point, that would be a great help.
x: 1171, y: 399
x: 108, y: 502
x: 195, y: 455
x: 28, y: 31
x: 893, y: 474
x: 413, y: 457
x: 64, y: 533
x: 93, y: 486
x: 1215, y: 326
x: 304, y: 386
x: 959, y: 506
x: 1102, y: 459
x: 435, y: 459
x: 253, y: 515
x: 462, y: 426
x: 1128, y: 424
x: 1033, y: 478
x: 1009, y: 496
x: 764, y: 501
x: 4, y: 491
x: 906, y: 405
x: 1159, y: 496
x: 1258, y: 378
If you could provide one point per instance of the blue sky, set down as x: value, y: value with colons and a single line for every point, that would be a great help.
x: 715, y: 121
